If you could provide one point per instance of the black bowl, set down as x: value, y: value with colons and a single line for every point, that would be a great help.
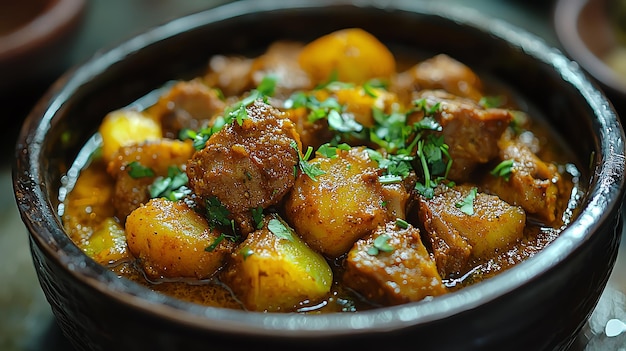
x: 540, y: 304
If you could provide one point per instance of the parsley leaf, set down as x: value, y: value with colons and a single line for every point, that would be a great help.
x: 381, y: 243
x: 257, y: 216
x: 278, y: 228
x: 467, y: 204
x: 311, y: 170
x: 503, y: 169
x: 137, y: 170
x: 173, y: 187
x: 329, y: 151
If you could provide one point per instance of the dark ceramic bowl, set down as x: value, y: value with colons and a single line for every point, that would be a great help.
x: 539, y: 305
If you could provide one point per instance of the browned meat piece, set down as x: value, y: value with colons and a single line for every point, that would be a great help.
x: 188, y: 104
x: 230, y: 74
x: 533, y: 184
x: 456, y: 237
x: 130, y: 192
x: 405, y: 273
x: 439, y: 72
x: 471, y: 132
x: 249, y: 165
x: 281, y: 61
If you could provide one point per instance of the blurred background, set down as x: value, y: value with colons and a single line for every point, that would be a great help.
x: 42, y: 39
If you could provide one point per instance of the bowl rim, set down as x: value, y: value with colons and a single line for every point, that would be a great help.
x: 606, y: 189
x: 566, y: 16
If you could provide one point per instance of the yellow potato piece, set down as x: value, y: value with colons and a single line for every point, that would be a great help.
x: 353, y: 54
x: 125, y: 127
x: 107, y: 245
x: 344, y: 204
x: 170, y: 240
x: 270, y: 271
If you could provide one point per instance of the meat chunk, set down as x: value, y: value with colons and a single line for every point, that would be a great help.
x: 471, y: 132
x: 404, y: 272
x: 248, y: 165
x: 132, y: 191
x: 187, y: 104
x: 532, y: 183
x: 170, y: 240
x: 457, y: 236
x: 230, y: 74
x: 439, y: 72
x: 344, y: 204
x: 274, y: 270
x: 281, y: 61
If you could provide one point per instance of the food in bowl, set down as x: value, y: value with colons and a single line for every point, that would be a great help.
x: 321, y: 177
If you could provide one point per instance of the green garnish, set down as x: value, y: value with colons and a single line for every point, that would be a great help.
x: 312, y: 170
x: 503, y: 169
x: 278, y: 228
x: 215, y: 242
x: 246, y: 252
x: 173, y: 187
x: 401, y: 223
x: 257, y: 216
x: 218, y: 215
x: 329, y: 151
x: 467, y: 204
x: 491, y: 101
x: 137, y: 170
x: 381, y: 243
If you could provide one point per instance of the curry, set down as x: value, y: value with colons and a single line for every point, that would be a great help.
x: 321, y: 177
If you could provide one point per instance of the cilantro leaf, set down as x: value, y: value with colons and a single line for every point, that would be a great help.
x: 467, y: 204
x: 503, y: 169
x: 381, y: 243
x: 137, y: 170
x: 278, y: 228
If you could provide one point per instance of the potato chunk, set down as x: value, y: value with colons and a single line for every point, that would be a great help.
x: 344, y: 204
x: 353, y: 54
x: 170, y: 240
x: 404, y: 273
x: 274, y: 270
x: 124, y: 127
x: 107, y: 245
x: 457, y: 236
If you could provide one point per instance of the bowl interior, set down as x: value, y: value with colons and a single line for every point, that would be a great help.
x: 71, y: 111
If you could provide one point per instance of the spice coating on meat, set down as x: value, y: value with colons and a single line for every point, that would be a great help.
x: 247, y: 165
x: 406, y: 273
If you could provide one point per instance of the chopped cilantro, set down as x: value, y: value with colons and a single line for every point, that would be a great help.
x: 503, y: 169
x: 402, y: 223
x: 329, y: 151
x: 257, y: 216
x: 467, y: 204
x: 173, y: 187
x: 278, y: 228
x: 381, y: 243
x: 137, y: 170
x: 311, y: 170
x: 217, y: 214
x: 215, y: 242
